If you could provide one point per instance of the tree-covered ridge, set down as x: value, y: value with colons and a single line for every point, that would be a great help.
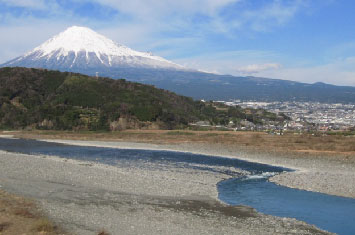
x: 45, y: 99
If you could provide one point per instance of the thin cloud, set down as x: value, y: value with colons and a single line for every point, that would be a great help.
x: 31, y: 4
x: 257, y: 68
x: 184, y: 16
x: 339, y: 72
x: 219, y: 16
x: 157, y: 8
x: 277, y: 13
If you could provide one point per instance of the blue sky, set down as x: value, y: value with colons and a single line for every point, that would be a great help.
x: 301, y: 40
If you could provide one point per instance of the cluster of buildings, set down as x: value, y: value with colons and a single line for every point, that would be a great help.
x: 304, y: 117
x: 307, y: 116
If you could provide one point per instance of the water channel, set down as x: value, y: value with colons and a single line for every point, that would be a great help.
x: 331, y: 213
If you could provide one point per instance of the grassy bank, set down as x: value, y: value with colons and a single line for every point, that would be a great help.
x: 20, y: 216
x: 257, y: 140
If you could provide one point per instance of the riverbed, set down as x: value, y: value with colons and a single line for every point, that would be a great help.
x: 172, y: 180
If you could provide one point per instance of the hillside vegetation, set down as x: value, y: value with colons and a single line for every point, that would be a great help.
x: 44, y: 99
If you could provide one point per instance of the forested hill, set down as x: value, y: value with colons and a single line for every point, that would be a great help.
x: 44, y: 99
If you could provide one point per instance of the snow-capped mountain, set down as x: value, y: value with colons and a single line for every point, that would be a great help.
x: 79, y: 48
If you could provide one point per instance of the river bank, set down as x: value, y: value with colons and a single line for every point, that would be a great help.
x: 326, y: 173
x: 323, y: 164
x: 85, y: 197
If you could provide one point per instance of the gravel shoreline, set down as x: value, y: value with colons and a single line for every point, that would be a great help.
x: 85, y: 197
x: 328, y: 174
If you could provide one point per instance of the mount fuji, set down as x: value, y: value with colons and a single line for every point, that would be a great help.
x: 80, y: 49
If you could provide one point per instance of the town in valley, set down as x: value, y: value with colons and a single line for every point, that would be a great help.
x: 303, y: 117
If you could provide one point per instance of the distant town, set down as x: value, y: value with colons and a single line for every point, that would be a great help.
x: 305, y: 116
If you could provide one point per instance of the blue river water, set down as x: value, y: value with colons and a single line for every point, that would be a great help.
x: 331, y: 213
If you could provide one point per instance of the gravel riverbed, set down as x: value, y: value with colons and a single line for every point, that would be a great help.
x: 332, y: 174
x: 85, y: 197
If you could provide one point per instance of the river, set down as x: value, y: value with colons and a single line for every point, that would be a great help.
x: 331, y: 213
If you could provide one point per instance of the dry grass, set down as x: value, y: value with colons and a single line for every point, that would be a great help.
x: 179, y: 133
x: 103, y: 232
x: 24, y: 212
x: 43, y: 225
x: 4, y: 226
x: 20, y: 216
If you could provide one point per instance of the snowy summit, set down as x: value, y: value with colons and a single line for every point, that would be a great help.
x: 81, y: 47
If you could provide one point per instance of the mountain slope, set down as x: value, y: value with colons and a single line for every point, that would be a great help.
x: 56, y: 100
x: 210, y: 86
x: 82, y: 50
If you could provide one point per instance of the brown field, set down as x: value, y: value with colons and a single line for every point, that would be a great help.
x: 290, y: 142
x: 20, y: 216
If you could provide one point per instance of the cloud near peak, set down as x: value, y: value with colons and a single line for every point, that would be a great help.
x: 257, y: 68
